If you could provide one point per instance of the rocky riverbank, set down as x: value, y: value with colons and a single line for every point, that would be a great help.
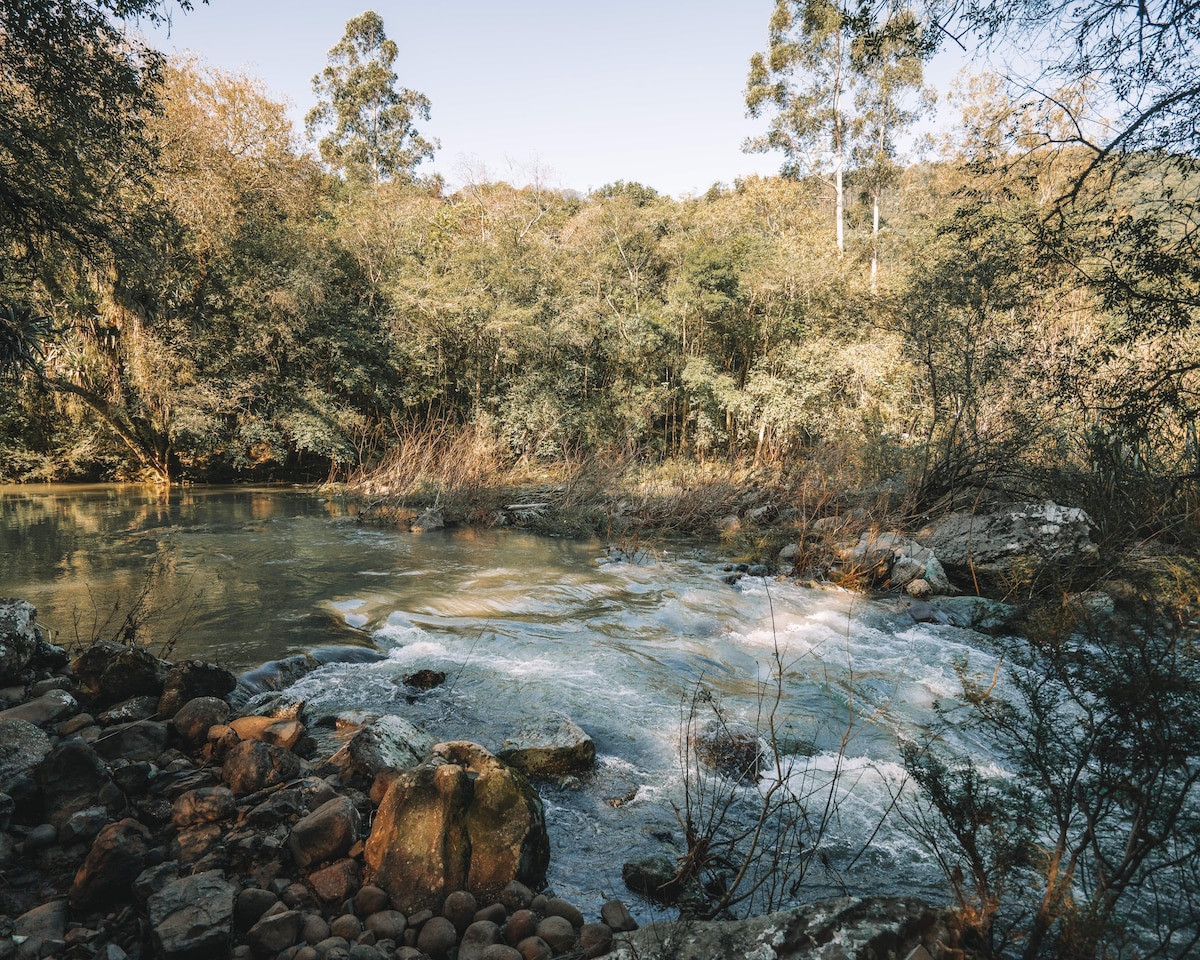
x: 141, y: 815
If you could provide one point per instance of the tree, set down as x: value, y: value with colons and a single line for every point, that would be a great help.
x: 372, y: 135
x: 838, y: 78
x: 805, y: 78
x: 75, y: 93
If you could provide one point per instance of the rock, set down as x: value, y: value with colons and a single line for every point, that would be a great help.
x: 476, y: 938
x: 388, y: 742
x: 347, y: 926
x: 191, y: 680
x: 193, y: 720
x: 558, y: 933
x: 595, y: 939
x: 314, y: 929
x: 494, y: 912
x: 552, y: 745
x: 282, y: 733
x: 499, y: 951
x: 153, y: 879
x: 23, y: 745
x: 653, y: 877
x: 521, y: 926
x: 557, y: 907
x: 116, y: 858
x: 19, y: 636
x: 337, y: 882
x: 516, y: 896
x: 71, y: 778
x: 460, y: 908
x: 326, y: 833
x: 275, y: 933
x: 989, y: 547
x: 141, y: 740
x: 847, y: 927
x: 387, y: 924
x: 192, y: 918
x: 461, y: 821
x: 534, y: 948
x: 50, y: 706
x: 437, y: 938
x: 251, y: 905
x: 110, y: 672
x: 429, y: 519
x: 127, y: 711
x: 617, y: 917
x: 45, y: 922
x: 205, y: 805
x: 252, y: 765
x: 82, y: 825
x: 370, y: 899
x: 424, y: 679
x: 979, y: 613
x: 732, y: 748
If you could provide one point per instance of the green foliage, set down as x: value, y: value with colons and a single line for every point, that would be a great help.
x: 372, y: 136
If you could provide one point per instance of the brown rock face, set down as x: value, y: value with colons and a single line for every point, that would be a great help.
x: 117, y: 856
x: 461, y: 821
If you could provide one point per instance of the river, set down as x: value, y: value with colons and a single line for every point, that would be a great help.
x: 631, y: 644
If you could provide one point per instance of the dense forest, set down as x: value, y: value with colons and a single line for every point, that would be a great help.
x: 199, y: 296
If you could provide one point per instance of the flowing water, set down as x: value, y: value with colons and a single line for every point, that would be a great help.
x: 521, y: 624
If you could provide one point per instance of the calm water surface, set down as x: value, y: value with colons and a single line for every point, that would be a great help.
x: 521, y: 624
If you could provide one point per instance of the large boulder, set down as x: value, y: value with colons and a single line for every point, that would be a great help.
x: 463, y: 820
x: 989, y: 547
x: 889, y: 559
x: 551, y: 745
x: 388, y: 743
x: 846, y: 927
x: 19, y: 636
x: 110, y: 672
x: 192, y: 917
x: 72, y: 777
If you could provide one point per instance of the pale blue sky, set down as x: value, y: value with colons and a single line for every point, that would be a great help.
x: 645, y: 90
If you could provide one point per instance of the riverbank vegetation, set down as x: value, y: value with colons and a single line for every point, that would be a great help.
x: 1008, y: 311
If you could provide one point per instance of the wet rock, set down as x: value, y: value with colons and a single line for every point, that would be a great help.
x: 19, y: 636
x: 23, y: 745
x: 494, y: 912
x: 114, y: 861
x: 193, y: 720
x: 153, y: 879
x: 731, y: 747
x: 653, y: 877
x: 551, y: 745
x: 192, y: 918
x: 516, y: 896
x: 253, y: 765
x: 328, y: 832
x: 462, y: 820
x: 855, y: 927
x: 557, y: 907
x: 429, y: 519
x: 193, y: 844
x: 71, y: 777
x: 388, y: 742
x: 47, y: 922
x: 425, y: 679
x: 191, y: 680
x: 617, y: 917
